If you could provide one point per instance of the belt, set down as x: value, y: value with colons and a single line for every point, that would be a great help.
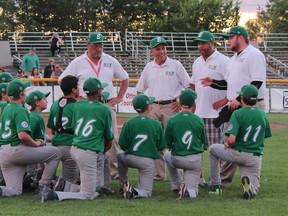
x: 254, y: 154
x: 164, y: 102
x: 77, y: 147
x: 260, y: 99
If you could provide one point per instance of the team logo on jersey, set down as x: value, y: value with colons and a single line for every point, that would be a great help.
x: 230, y: 127
x: 170, y: 73
x: 24, y: 124
x: 212, y: 67
x: 63, y: 102
x: 107, y: 64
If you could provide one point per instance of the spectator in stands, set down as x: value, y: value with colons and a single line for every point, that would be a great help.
x: 163, y: 78
x: 30, y: 60
x: 49, y: 69
x: 34, y: 75
x: 246, y: 66
x: 95, y: 63
x: 58, y: 71
x: 55, y: 42
x: 211, y: 63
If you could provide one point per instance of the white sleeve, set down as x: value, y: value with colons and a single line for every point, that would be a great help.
x: 142, y: 82
x: 183, y: 75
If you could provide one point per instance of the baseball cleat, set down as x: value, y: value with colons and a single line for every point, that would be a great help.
x: 247, y: 193
x: 183, y: 193
x: 216, y: 189
x: 45, y: 193
x: 60, y: 184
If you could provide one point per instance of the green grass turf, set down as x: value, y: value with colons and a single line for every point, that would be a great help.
x: 272, y: 199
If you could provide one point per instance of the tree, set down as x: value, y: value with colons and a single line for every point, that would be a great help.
x: 274, y: 18
x: 254, y: 28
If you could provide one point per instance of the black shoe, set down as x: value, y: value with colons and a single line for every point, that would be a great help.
x: 216, y: 189
x: 183, y: 193
x: 247, y: 193
x: 104, y: 191
x: 45, y: 193
x: 60, y: 184
x: 128, y: 191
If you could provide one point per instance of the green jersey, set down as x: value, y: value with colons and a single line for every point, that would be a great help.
x: 37, y: 126
x: 3, y: 104
x: 185, y: 134
x: 251, y: 127
x: 142, y: 136
x: 92, y: 123
x: 67, y: 115
x: 15, y: 119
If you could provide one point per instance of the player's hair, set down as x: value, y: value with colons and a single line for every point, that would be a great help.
x: 249, y: 102
x: 33, y: 107
x: 68, y: 83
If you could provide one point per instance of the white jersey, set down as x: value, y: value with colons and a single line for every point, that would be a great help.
x: 107, y: 69
x: 242, y: 69
x: 213, y: 67
x: 163, y: 82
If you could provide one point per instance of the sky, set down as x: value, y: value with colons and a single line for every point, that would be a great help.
x: 248, y: 9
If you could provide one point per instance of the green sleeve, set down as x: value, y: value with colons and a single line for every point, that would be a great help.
x: 50, y: 123
x: 24, y: 63
x: 108, y: 134
x: 162, y: 143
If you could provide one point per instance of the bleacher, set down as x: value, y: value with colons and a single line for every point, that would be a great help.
x: 132, y: 49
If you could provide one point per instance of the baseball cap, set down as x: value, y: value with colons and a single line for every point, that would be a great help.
x: 205, y: 36
x: 94, y: 38
x: 141, y: 102
x: 156, y: 41
x: 104, y: 96
x: 57, y: 66
x: 5, y: 77
x: 187, y: 97
x: 33, y: 48
x: 3, y: 88
x: 236, y: 30
x: 35, y: 95
x: 249, y: 92
x: 91, y: 85
x: 16, y: 86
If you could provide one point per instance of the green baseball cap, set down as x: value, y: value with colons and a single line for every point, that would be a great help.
x: 205, y: 36
x: 141, y: 102
x: 104, y: 96
x: 95, y: 38
x: 249, y: 92
x: 6, y: 77
x: 156, y: 41
x: 187, y: 97
x: 91, y: 85
x: 236, y: 30
x: 3, y: 88
x: 34, y: 96
x: 16, y: 86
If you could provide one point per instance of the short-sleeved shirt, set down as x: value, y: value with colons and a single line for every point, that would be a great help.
x: 185, y: 133
x: 92, y: 123
x: 242, y: 69
x: 15, y: 119
x: 251, y: 127
x: 142, y: 136
x: 108, y: 68
x: 163, y: 82
x: 67, y: 115
x: 38, y: 130
x: 213, y: 67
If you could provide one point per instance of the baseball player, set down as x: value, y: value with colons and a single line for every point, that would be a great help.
x: 246, y: 66
x: 163, y: 78
x: 185, y: 136
x: 60, y: 123
x: 248, y: 127
x: 19, y: 149
x: 92, y: 134
x: 141, y: 139
x: 95, y: 63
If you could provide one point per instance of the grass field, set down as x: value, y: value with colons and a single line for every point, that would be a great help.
x: 272, y: 199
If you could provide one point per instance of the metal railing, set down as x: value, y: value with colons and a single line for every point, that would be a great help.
x: 279, y: 67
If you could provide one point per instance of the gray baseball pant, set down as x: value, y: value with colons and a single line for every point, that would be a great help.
x: 87, y: 163
x: 14, y: 161
x: 191, y: 165
x: 249, y: 164
x: 145, y: 167
x: 103, y: 171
